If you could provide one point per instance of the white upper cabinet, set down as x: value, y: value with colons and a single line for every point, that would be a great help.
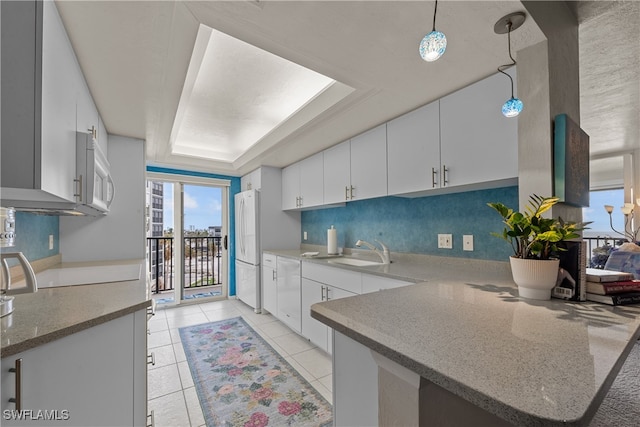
x: 291, y: 187
x: 38, y: 106
x: 369, y: 164
x: 302, y: 183
x: 413, y: 144
x: 311, y: 181
x: 337, y: 173
x: 103, y: 137
x: 87, y: 112
x: 251, y: 181
x: 45, y: 100
x: 478, y: 144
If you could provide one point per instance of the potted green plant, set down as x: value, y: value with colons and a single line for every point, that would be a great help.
x: 536, y: 242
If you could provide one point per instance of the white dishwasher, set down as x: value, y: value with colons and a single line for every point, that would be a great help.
x: 288, y: 284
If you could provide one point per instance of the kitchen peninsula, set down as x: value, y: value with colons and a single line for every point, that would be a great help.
x: 463, y: 346
x: 78, y: 350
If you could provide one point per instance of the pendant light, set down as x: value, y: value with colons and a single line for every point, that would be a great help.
x: 433, y: 44
x: 507, y: 24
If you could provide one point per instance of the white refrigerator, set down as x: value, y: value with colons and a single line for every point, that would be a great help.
x: 248, y: 252
x: 261, y: 224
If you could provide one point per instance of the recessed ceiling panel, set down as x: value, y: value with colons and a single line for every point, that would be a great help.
x: 239, y: 94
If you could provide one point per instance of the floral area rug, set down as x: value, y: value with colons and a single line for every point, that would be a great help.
x: 242, y: 381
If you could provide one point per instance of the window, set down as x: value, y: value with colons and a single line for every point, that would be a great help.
x: 601, y: 225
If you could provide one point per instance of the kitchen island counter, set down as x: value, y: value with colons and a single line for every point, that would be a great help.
x: 55, y: 312
x: 527, y: 362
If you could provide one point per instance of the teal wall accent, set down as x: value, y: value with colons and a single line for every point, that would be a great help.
x: 234, y: 188
x: 412, y: 225
x: 32, y: 235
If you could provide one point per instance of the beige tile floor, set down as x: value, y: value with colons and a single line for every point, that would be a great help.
x: 171, y: 392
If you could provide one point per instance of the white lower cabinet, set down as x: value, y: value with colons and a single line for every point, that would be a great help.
x: 288, y: 292
x: 323, y: 283
x: 269, y: 284
x: 355, y: 403
x: 314, y: 292
x: 95, y: 377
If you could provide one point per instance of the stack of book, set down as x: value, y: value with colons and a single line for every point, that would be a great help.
x: 612, y: 287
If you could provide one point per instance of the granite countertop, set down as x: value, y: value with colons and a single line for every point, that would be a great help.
x: 529, y: 362
x: 55, y: 312
x: 409, y: 267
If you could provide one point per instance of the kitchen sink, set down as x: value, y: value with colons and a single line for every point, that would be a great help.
x: 354, y: 262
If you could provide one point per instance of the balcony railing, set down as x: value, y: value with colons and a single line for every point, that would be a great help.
x: 201, y: 263
x: 604, y: 245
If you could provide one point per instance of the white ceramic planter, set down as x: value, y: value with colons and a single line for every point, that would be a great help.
x: 535, y: 278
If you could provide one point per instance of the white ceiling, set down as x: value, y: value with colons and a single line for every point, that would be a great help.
x: 136, y: 57
x: 235, y: 94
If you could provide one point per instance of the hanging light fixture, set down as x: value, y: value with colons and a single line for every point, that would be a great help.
x: 433, y: 44
x: 507, y: 24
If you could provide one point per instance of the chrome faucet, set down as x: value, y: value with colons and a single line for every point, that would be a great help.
x: 384, y: 255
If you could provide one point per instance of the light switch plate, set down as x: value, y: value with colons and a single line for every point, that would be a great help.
x: 445, y: 241
x: 50, y: 242
x: 304, y: 235
x: 467, y: 242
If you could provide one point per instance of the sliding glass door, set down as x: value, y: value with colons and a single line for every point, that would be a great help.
x: 187, y: 239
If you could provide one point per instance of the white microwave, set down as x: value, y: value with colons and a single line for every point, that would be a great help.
x: 95, y: 190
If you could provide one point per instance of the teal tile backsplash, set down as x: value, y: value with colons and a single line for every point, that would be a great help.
x: 32, y: 235
x: 412, y: 225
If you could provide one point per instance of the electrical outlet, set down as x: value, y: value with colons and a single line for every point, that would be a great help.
x: 304, y: 235
x: 467, y: 242
x: 445, y: 241
x: 50, y: 242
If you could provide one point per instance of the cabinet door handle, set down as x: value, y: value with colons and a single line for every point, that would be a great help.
x: 321, y: 293
x: 152, y: 416
x: 445, y: 179
x: 273, y: 274
x: 18, y: 371
x: 346, y: 192
x: 79, y: 193
x: 300, y: 201
x: 434, y: 177
x: 351, y: 193
x: 328, y: 293
x: 151, y: 359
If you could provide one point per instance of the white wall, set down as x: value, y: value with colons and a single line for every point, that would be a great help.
x: 120, y: 234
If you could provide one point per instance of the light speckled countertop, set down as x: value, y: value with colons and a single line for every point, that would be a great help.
x: 465, y: 329
x: 53, y: 313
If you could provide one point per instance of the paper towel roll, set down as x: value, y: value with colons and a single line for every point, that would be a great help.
x: 332, y: 241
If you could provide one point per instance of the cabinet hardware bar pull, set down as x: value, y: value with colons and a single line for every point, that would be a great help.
x: 346, y: 192
x: 321, y: 293
x: 18, y: 371
x: 434, y: 174
x: 79, y: 193
x: 153, y: 419
x: 152, y: 356
x: 300, y: 201
x: 351, y: 195
x: 445, y: 179
x: 151, y: 311
x: 328, y: 293
x: 273, y: 274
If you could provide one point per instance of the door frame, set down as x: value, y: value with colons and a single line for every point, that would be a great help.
x: 178, y: 181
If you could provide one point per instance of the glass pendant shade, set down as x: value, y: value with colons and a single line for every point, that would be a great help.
x: 512, y: 107
x: 433, y: 46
